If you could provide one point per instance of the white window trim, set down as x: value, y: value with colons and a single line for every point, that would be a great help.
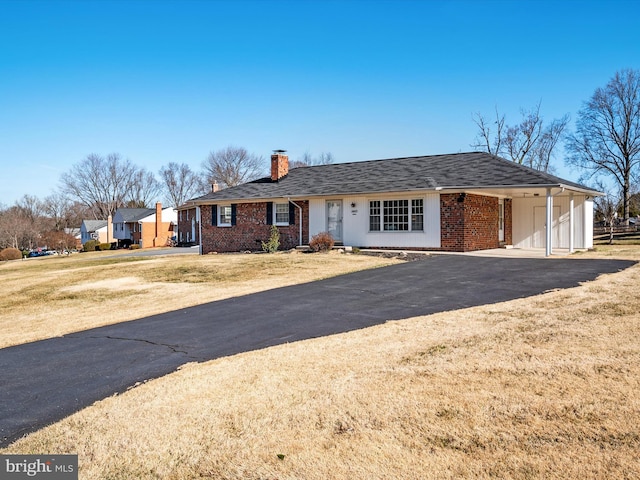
x: 381, y: 215
x: 275, y: 214
x: 220, y: 216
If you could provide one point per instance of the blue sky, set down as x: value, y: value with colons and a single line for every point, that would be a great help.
x: 170, y: 81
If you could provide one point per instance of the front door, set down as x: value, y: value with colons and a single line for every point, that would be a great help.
x: 334, y: 219
x: 540, y: 227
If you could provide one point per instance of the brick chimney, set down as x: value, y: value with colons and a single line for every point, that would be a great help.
x: 214, y: 186
x: 109, y: 228
x: 158, y: 218
x: 279, y: 165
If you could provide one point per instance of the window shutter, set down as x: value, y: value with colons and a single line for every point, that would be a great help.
x: 269, y: 213
x: 214, y: 215
x: 292, y: 214
x: 233, y: 213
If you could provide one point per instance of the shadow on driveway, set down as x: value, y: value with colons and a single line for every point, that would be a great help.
x: 43, y: 382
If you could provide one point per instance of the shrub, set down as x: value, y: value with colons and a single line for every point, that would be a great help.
x: 322, y: 242
x: 10, y: 254
x: 105, y: 246
x: 273, y: 243
x: 134, y: 246
x: 90, y: 246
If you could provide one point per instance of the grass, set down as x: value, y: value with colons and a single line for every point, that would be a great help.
x: 542, y: 387
x: 52, y: 296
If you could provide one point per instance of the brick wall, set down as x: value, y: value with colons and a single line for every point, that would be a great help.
x: 185, y: 219
x: 469, y: 222
x: 508, y: 221
x: 148, y: 234
x: 251, y: 229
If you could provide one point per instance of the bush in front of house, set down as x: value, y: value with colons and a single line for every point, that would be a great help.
x: 321, y: 242
x: 90, y: 246
x: 273, y: 243
x: 134, y: 246
x: 103, y: 247
x: 10, y: 254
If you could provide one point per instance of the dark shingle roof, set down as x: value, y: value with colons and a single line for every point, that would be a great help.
x: 93, y: 225
x: 460, y: 170
x: 135, y: 214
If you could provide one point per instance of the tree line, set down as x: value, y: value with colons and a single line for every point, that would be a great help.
x: 605, y: 146
x: 98, y: 185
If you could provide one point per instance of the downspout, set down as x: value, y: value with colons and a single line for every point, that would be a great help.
x: 300, y: 209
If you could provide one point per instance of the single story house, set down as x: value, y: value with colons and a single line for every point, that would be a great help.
x: 100, y: 230
x: 147, y: 227
x: 456, y: 202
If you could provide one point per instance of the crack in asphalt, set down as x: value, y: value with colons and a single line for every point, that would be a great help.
x: 173, y: 348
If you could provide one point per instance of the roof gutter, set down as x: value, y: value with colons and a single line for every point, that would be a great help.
x: 562, y: 186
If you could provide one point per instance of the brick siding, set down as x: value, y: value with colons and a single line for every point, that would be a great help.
x: 185, y: 219
x: 470, y: 222
x: 508, y: 221
x: 251, y: 229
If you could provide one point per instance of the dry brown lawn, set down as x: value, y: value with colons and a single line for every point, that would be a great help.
x: 51, y: 296
x: 543, y: 387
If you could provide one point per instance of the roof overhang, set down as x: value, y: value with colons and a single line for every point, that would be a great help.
x: 514, y: 191
x: 523, y: 191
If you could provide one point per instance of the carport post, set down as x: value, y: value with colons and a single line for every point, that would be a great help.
x: 571, y: 225
x: 549, y: 225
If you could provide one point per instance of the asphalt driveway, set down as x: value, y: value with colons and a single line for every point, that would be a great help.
x: 44, y: 381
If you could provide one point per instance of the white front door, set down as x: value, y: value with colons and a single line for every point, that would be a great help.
x: 334, y: 219
x: 540, y: 227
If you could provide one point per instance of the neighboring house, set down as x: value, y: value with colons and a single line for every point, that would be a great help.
x: 147, y: 227
x: 457, y: 202
x: 188, y: 225
x: 99, y: 230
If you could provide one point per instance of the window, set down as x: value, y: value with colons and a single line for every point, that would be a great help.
x: 282, y: 213
x: 225, y: 215
x: 417, y: 215
x: 396, y: 215
x: 374, y: 215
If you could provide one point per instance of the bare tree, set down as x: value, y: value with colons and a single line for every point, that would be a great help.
x: 17, y: 230
x: 606, y: 208
x: 307, y: 160
x: 528, y: 143
x: 102, y: 184
x: 180, y: 183
x: 488, y: 139
x: 232, y: 166
x: 59, y: 241
x: 144, y: 190
x: 607, y: 137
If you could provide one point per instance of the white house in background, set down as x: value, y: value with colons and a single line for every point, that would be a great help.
x: 455, y: 202
x: 99, y: 230
x: 147, y: 227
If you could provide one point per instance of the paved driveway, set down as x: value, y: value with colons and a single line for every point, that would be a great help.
x: 44, y: 381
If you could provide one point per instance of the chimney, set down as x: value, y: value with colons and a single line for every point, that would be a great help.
x: 109, y: 228
x: 279, y: 165
x: 158, y: 218
x: 214, y: 186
